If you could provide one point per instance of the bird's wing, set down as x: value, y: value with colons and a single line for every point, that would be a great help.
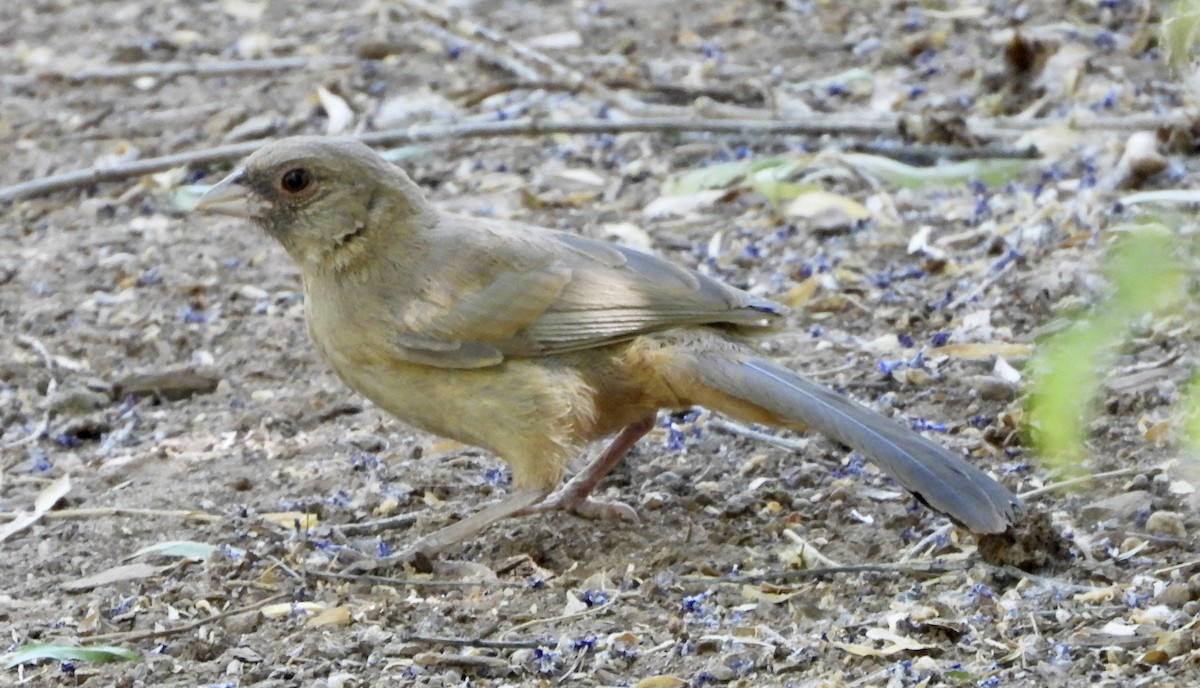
x: 504, y: 290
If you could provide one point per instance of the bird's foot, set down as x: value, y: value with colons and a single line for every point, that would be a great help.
x: 586, y: 507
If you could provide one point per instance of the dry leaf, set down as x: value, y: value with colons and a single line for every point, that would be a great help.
x: 46, y: 499
x: 276, y: 611
x: 291, y: 519
x: 663, y: 681
x: 334, y: 616
x: 984, y: 350
x: 341, y: 117
x: 116, y: 574
x: 664, y: 206
x: 812, y: 203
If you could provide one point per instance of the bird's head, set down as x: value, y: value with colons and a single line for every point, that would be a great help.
x: 327, y: 200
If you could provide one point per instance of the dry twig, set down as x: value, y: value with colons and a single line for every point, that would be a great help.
x: 739, y: 429
x: 906, y: 568
x: 816, y: 125
x: 1079, y: 480
x: 138, y: 636
x: 123, y: 511
x: 170, y: 70
x: 492, y: 45
x: 414, y: 582
x: 481, y: 642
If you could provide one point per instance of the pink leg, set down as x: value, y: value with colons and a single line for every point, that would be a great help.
x: 575, y: 495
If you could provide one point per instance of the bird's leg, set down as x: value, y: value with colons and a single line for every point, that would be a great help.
x: 575, y: 495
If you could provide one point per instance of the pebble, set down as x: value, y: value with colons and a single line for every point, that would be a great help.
x: 1166, y: 523
x: 655, y: 500
x: 1174, y: 595
x: 991, y: 387
x: 246, y: 622
x: 1123, y: 506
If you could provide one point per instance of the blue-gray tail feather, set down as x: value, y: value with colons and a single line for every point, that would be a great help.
x: 938, y: 477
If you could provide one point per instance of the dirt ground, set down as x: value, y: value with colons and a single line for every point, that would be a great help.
x: 251, y: 446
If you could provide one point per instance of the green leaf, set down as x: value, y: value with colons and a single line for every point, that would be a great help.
x: 1163, y: 196
x: 60, y: 653
x: 196, y: 551
x: 718, y: 175
x: 1180, y: 32
x: 772, y: 182
x: 990, y: 171
x: 1146, y: 274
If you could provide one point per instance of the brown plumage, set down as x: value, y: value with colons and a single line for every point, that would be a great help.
x: 532, y: 343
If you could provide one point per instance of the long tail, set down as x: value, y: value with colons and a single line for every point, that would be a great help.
x: 747, y: 388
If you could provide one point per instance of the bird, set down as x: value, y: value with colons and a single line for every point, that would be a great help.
x: 533, y: 343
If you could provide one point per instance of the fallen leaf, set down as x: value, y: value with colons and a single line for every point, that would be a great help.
x: 984, y: 350
x: 812, y: 203
x: 990, y: 171
x: 63, y: 653
x: 664, y: 206
x: 337, y: 110
x: 116, y: 574
x: 196, y: 551
x: 46, y: 499
x: 334, y: 616
x: 663, y: 681
x: 276, y: 611
x: 291, y: 519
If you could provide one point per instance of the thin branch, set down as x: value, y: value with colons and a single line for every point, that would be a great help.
x: 488, y: 42
x: 561, y: 617
x: 137, y: 636
x: 739, y: 429
x: 170, y: 70
x: 414, y: 582
x: 377, y: 526
x: 505, y: 62
x: 1070, y: 482
x: 123, y: 511
x: 817, y: 125
x: 981, y: 287
x: 927, y: 541
x: 480, y: 642
x: 907, y: 568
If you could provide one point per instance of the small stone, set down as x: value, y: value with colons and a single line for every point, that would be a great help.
x: 72, y: 399
x: 1122, y: 506
x: 1176, y: 644
x: 246, y: 622
x: 1193, y: 584
x: 1166, y: 523
x: 367, y: 441
x: 1141, y: 481
x: 655, y: 500
x: 1160, y: 484
x: 1174, y: 595
x: 991, y: 387
x: 723, y: 674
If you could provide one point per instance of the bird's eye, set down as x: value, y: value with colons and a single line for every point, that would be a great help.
x: 295, y: 180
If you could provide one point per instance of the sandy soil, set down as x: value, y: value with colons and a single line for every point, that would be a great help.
x: 252, y: 447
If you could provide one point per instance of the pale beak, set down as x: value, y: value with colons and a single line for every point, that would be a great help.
x: 229, y: 197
